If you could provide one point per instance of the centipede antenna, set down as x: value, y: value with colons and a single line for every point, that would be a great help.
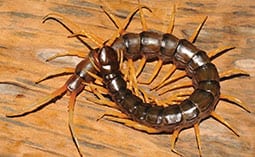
x: 70, y: 120
x: 56, y: 73
x: 220, y: 119
x: 234, y: 100
x: 58, y: 19
x: 197, y: 133
x: 167, y: 75
x: 193, y: 38
x: 172, y: 20
x: 97, y: 40
x: 3, y: 47
x: 16, y: 83
x: 41, y: 103
x: 114, y: 20
x: 217, y: 52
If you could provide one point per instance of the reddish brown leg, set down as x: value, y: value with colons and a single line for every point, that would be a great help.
x: 196, y: 32
x: 177, y: 86
x: 97, y: 90
x: 197, y: 133
x: 172, y: 19
x: 70, y: 119
x: 121, y: 27
x: 140, y: 67
x: 173, y: 98
x: 39, y: 104
x: 220, y: 119
x: 214, y: 53
x: 122, y: 118
x: 143, y: 21
x: 234, y: 100
x: 172, y: 79
x: 173, y: 141
x: 132, y: 77
x: 155, y: 72
x: 232, y: 72
x: 167, y: 75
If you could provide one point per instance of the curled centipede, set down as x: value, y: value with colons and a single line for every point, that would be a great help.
x: 104, y: 65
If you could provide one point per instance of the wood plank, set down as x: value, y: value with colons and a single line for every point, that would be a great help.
x: 25, y: 44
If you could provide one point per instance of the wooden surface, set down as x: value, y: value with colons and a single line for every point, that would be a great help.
x: 26, y: 43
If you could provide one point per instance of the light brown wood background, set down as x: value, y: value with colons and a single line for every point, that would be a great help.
x: 26, y: 43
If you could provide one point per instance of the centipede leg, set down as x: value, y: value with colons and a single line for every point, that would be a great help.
x: 214, y: 53
x: 122, y: 27
x: 143, y: 21
x: 155, y: 72
x: 167, y: 75
x: 173, y: 141
x: 225, y: 74
x: 234, y: 100
x: 232, y: 73
x: 220, y: 119
x: 173, y: 98
x: 97, y: 90
x: 97, y: 87
x: 177, y: 86
x: 132, y: 77
x: 119, y: 118
x: 193, y: 37
x: 56, y: 73
x: 140, y: 67
x: 197, y: 133
x: 172, y: 79
x: 41, y: 103
x: 98, y: 79
x: 70, y: 120
x: 172, y: 19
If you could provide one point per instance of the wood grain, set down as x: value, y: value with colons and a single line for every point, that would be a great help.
x: 25, y: 43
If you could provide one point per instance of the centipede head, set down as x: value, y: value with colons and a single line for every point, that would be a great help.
x: 105, y: 59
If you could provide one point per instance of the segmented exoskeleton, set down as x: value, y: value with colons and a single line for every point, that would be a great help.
x: 105, y: 62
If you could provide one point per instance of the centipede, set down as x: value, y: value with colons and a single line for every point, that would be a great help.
x: 104, y: 65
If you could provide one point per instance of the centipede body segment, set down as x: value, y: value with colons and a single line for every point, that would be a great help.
x: 103, y: 64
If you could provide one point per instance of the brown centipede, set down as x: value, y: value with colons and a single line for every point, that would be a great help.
x: 104, y: 61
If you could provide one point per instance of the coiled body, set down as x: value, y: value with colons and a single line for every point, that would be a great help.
x: 148, y: 45
x: 167, y: 47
